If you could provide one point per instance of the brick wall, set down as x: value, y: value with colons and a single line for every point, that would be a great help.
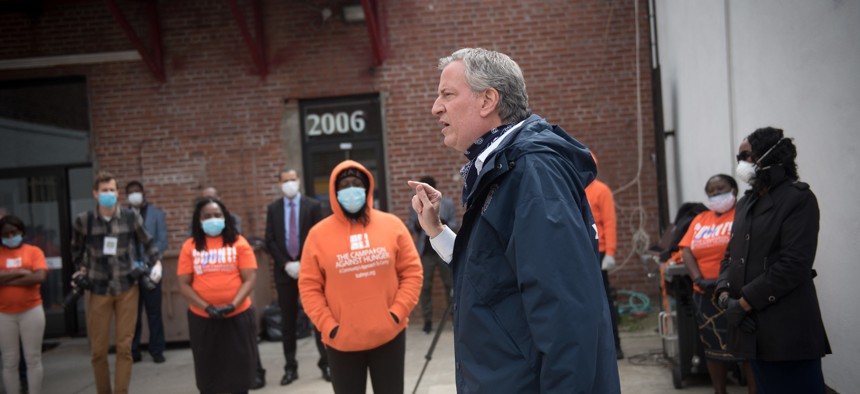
x: 215, y: 122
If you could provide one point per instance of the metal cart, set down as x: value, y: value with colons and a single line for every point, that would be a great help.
x: 678, y: 328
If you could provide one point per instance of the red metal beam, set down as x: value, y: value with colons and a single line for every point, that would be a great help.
x: 155, y: 60
x: 258, y: 46
x: 374, y: 30
x: 155, y: 33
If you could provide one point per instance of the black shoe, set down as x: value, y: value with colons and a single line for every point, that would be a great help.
x: 158, y: 358
x: 428, y: 326
x: 136, y: 358
x: 326, y: 373
x: 259, y: 381
x: 289, y: 377
x: 619, y: 355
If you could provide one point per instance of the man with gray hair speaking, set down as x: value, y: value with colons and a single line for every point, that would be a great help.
x: 530, y: 313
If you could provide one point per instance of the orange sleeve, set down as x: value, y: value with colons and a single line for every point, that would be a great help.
x: 312, y: 285
x: 246, y: 257
x: 609, y: 224
x: 409, y: 272
x: 37, y: 256
x: 687, y: 241
x: 185, y: 265
x: 602, y: 203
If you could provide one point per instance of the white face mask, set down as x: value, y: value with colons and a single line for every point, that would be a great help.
x: 290, y: 188
x: 135, y: 199
x: 352, y: 199
x: 721, y: 203
x: 745, y: 172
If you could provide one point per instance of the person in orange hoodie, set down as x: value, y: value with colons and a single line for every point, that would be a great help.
x: 599, y: 196
x: 359, y: 279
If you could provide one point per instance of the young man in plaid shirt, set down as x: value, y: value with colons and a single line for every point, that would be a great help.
x: 103, y: 248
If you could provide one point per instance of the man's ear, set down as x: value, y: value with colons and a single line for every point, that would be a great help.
x: 489, y: 102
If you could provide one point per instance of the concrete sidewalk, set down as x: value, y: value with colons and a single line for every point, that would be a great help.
x: 67, y: 368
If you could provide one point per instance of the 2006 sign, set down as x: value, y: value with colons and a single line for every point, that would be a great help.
x: 328, y: 123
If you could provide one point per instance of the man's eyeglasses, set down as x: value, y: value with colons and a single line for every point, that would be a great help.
x: 743, y: 156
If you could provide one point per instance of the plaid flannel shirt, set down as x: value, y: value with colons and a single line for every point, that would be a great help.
x: 109, y: 274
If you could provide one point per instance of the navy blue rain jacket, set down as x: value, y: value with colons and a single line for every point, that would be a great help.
x: 530, y: 312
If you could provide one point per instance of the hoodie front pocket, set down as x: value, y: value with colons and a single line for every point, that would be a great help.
x: 365, y: 324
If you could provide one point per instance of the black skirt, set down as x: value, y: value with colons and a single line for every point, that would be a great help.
x: 713, y: 327
x: 225, y: 352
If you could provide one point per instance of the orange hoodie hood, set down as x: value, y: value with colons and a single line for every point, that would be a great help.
x: 332, y: 188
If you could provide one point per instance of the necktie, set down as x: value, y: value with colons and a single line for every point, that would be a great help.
x: 293, y: 241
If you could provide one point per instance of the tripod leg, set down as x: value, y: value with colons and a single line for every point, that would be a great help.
x: 429, y: 354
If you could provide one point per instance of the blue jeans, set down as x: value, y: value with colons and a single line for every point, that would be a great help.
x: 151, y: 300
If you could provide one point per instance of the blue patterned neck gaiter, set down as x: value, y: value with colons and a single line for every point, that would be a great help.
x: 469, y: 172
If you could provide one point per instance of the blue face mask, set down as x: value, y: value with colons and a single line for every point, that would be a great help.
x: 13, y: 242
x: 107, y: 199
x: 213, y: 227
x: 352, y: 199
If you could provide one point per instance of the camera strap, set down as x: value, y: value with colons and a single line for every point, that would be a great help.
x: 84, y: 253
x: 139, y: 254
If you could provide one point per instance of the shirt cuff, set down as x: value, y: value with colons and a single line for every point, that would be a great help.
x: 443, y: 244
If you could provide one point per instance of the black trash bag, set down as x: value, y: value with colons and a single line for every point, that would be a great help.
x: 272, y: 323
x: 303, y: 324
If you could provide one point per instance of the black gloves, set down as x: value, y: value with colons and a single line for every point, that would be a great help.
x: 220, y: 312
x: 213, y: 312
x: 734, y: 312
x: 738, y: 317
x: 705, y: 284
x: 723, y: 301
x: 226, y: 309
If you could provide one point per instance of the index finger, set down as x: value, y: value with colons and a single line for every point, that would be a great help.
x: 422, y: 190
x: 415, y: 184
x: 430, y: 191
x: 421, y: 193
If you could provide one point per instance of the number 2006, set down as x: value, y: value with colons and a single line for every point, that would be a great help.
x: 329, y: 123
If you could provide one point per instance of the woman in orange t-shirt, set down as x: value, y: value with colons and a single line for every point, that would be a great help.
x: 216, y: 271
x: 703, y: 247
x: 22, y: 319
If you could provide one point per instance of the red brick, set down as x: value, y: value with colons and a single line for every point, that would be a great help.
x: 215, y: 122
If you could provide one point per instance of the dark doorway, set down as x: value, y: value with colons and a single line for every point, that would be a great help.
x: 341, y: 128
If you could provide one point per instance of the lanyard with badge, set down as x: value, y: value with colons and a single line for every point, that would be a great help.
x: 109, y: 248
x: 110, y: 243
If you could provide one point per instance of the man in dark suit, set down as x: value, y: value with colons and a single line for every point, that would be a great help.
x: 288, y: 220
x: 429, y: 258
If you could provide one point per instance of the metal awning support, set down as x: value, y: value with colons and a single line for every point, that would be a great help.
x: 256, y: 46
x: 374, y: 28
x: 154, y: 60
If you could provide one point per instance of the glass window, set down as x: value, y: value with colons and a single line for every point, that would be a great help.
x: 43, y: 122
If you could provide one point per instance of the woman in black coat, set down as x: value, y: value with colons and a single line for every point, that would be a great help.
x: 766, y: 280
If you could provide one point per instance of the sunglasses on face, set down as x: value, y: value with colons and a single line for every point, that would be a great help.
x: 743, y: 156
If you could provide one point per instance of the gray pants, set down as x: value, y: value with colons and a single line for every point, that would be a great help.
x: 28, y: 327
x: 430, y: 261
